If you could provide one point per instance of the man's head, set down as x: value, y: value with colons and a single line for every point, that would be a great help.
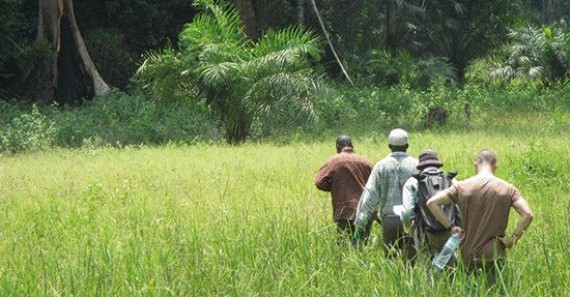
x: 343, y: 141
x: 398, y: 140
x: 486, y: 160
x: 428, y: 158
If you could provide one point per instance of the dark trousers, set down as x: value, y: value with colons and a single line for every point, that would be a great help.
x: 396, y: 241
x: 490, y: 269
x: 346, y: 229
x: 435, y: 242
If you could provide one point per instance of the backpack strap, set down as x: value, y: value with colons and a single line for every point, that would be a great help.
x: 428, y: 185
x: 398, y: 172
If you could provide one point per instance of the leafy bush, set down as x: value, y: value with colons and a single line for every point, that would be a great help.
x: 362, y: 107
x: 536, y: 54
x: 117, y: 119
x: 121, y: 119
x: 28, y: 132
x: 388, y: 69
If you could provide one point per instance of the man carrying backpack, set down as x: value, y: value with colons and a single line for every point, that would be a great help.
x: 485, y: 201
x: 428, y: 234
x: 384, y: 190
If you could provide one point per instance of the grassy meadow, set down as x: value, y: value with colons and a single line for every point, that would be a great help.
x: 216, y: 220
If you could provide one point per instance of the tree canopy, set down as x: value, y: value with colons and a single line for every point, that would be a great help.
x: 117, y: 32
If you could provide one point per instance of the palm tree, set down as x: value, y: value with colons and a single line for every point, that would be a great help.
x: 536, y: 53
x: 241, y: 80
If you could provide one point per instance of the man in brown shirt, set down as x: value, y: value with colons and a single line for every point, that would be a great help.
x: 485, y: 202
x: 345, y: 176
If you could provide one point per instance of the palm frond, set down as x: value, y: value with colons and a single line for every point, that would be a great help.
x: 284, y: 95
x: 162, y: 71
x: 217, y: 75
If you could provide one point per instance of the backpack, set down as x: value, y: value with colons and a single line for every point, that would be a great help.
x: 430, y: 184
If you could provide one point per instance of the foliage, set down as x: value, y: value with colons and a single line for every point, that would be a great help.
x: 388, y: 69
x: 162, y: 72
x: 464, y: 30
x: 15, y: 44
x: 120, y: 119
x: 147, y: 24
x: 109, y: 51
x: 548, y: 12
x: 536, y: 54
x: 117, y: 119
x: 241, y: 80
x: 31, y: 131
x: 358, y: 109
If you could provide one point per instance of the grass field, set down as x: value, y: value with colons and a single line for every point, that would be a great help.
x: 214, y: 220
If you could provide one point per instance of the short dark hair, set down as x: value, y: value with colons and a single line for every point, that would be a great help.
x: 486, y: 156
x: 343, y: 141
x: 398, y: 148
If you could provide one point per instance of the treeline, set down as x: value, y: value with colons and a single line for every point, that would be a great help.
x: 368, y: 34
x: 209, y: 70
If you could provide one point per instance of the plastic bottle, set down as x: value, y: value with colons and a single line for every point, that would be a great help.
x: 446, y: 252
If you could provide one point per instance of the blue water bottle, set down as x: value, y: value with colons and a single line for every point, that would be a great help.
x: 446, y: 252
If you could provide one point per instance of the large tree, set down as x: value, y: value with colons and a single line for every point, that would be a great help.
x: 67, y: 72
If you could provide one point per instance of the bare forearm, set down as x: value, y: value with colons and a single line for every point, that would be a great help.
x: 439, y: 215
x: 523, y: 224
x: 523, y: 209
x: 435, y: 203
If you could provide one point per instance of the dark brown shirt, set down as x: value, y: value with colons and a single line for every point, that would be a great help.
x: 345, y: 176
x: 485, y: 202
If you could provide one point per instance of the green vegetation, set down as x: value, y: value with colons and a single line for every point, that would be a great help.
x: 211, y: 220
x: 268, y: 81
x: 120, y: 119
x: 135, y: 193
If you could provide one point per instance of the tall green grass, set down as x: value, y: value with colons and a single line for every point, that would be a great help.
x: 215, y: 220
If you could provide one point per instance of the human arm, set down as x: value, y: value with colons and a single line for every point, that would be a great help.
x: 369, y: 200
x: 525, y: 212
x: 409, y: 199
x: 435, y: 205
x: 323, y: 178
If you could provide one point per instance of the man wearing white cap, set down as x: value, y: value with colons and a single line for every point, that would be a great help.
x: 384, y: 190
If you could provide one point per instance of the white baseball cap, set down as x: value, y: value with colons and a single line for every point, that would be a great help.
x: 398, y: 137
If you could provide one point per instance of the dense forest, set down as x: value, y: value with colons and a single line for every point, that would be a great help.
x: 68, y: 52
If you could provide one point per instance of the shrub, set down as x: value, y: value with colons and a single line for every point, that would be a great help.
x: 401, y: 68
x: 28, y: 132
x: 123, y: 119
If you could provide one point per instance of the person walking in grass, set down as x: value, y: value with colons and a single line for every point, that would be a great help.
x: 344, y: 175
x: 383, y: 191
x: 429, y: 235
x: 485, y: 202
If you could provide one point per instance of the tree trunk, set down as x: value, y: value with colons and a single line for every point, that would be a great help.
x: 548, y: 11
x: 301, y: 13
x: 247, y: 15
x: 57, y: 27
x: 391, y: 35
x: 99, y: 85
